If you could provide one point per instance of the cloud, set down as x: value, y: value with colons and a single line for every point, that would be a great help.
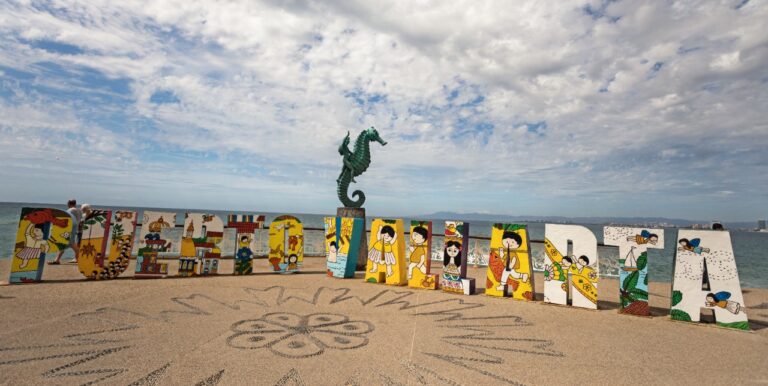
x: 563, y: 109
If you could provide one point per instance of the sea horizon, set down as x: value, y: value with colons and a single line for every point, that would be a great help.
x: 639, y: 221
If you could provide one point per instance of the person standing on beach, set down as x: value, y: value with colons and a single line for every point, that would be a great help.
x: 77, y: 231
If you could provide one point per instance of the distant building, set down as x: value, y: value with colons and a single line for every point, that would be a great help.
x: 761, y: 224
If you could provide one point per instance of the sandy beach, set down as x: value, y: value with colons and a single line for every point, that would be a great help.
x: 309, y: 329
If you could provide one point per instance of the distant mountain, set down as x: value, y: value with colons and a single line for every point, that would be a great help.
x: 580, y: 220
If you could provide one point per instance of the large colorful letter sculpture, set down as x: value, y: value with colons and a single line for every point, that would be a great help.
x: 420, y: 257
x: 580, y: 266
x: 454, y: 278
x: 41, y: 231
x: 706, y: 276
x: 342, y: 245
x: 286, y: 244
x: 94, y: 261
x: 509, y: 263
x: 245, y: 240
x: 200, y: 252
x: 386, y: 253
x: 154, y: 227
x: 633, y: 246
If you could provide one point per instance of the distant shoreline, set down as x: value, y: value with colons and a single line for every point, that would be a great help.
x: 472, y: 216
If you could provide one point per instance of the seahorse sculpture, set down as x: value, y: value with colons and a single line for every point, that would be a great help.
x: 355, y: 163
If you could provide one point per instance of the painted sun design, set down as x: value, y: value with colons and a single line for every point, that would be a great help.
x: 299, y: 336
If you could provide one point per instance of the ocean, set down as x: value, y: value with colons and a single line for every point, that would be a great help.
x: 749, y: 247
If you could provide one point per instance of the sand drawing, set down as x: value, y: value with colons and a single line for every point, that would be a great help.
x: 291, y: 335
x: 574, y: 272
x: 455, y: 246
x: 510, y: 271
x: 386, y: 253
x: 41, y: 231
x: 706, y: 276
x: 266, y: 324
x: 633, y: 246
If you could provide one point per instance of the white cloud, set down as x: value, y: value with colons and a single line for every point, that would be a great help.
x: 637, y: 91
x: 726, y: 62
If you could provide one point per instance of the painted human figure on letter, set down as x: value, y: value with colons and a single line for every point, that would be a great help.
x: 244, y: 256
x: 333, y: 252
x: 292, y: 262
x: 692, y: 246
x: 382, y: 251
x: 452, y: 271
x: 452, y: 251
x: 720, y: 299
x: 418, y: 251
x: 582, y: 267
x: 645, y: 237
x: 34, y: 244
x: 510, y: 242
x: 558, y: 270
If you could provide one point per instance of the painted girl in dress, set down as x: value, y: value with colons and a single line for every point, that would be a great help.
x: 720, y: 299
x: 293, y: 261
x: 452, y: 271
x: 382, y: 250
x: 34, y: 244
x: 452, y: 250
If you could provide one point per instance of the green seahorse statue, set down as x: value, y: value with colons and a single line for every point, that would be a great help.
x: 355, y: 163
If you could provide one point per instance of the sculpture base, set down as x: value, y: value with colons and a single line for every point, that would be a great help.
x: 362, y: 257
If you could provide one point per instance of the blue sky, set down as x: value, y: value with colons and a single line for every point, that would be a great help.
x: 571, y: 108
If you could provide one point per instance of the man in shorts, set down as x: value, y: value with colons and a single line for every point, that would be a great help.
x: 77, y: 231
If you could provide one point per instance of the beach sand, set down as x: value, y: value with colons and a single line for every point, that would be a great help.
x: 309, y: 329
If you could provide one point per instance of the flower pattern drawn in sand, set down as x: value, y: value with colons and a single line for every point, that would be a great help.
x: 295, y: 336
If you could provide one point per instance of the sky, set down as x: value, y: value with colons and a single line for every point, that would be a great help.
x: 566, y: 108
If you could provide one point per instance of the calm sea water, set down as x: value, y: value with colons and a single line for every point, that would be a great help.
x: 749, y: 247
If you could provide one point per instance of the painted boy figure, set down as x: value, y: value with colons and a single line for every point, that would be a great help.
x: 418, y: 251
x: 720, y: 299
x: 692, y: 246
x: 244, y: 256
x: 507, y: 253
x: 645, y: 237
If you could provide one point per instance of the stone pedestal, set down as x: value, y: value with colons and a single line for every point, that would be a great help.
x: 362, y: 256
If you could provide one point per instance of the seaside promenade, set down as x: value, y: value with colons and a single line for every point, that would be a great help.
x: 309, y: 329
